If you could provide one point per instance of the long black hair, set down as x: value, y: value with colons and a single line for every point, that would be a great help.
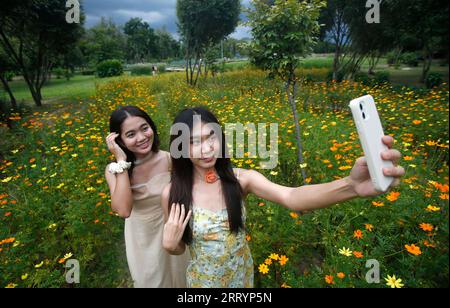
x: 183, y: 174
x: 115, y: 126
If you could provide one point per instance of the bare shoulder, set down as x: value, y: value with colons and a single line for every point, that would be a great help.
x: 164, y: 157
x: 243, y: 176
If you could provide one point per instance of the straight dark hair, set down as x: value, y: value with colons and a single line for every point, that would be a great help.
x: 115, y: 126
x: 183, y: 175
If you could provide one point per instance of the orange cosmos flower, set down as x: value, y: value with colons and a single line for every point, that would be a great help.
x: 413, y: 249
x: 442, y: 187
x: 358, y: 254
x: 340, y: 275
x: 293, y: 215
x: 377, y: 204
x: 358, y: 234
x: 393, y: 196
x: 329, y: 279
x: 426, y: 227
x: 368, y: 227
x: 283, y: 260
x: 428, y: 244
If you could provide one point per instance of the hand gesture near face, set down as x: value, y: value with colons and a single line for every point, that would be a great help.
x: 114, y: 148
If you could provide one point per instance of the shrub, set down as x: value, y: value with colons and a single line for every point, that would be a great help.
x: 391, y: 57
x: 141, y: 70
x: 339, y: 76
x: 63, y: 72
x: 8, y: 75
x: 59, y: 72
x: 161, y: 68
x: 381, y: 77
x: 109, y: 68
x: 88, y: 72
x: 363, y: 78
x: 409, y: 58
x: 433, y: 80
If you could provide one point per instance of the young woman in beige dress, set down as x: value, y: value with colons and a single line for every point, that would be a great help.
x: 136, y: 181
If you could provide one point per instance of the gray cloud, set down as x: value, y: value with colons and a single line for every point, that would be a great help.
x: 157, y: 13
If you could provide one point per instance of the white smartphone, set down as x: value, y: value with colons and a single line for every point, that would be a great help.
x: 370, y: 131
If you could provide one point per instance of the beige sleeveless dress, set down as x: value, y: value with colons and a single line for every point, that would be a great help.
x: 149, y: 263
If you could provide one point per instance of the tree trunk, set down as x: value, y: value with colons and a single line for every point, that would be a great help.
x: 18, y: 58
x: 291, y: 98
x: 187, y: 71
x: 198, y: 70
x: 8, y: 89
x: 373, y: 61
x: 35, y: 93
x: 398, y: 53
x: 426, y: 65
x: 337, y: 54
x: 188, y: 64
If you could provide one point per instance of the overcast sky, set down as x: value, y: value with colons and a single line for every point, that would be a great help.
x: 157, y: 13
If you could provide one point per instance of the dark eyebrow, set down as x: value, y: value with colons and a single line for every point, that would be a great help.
x: 206, y: 135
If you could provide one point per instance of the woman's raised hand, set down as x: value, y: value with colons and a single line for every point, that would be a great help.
x: 175, y: 225
x: 114, y: 148
x: 360, y: 176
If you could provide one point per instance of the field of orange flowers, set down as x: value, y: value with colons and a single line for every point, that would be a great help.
x: 54, y: 202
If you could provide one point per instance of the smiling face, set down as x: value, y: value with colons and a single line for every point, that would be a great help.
x: 137, y: 135
x: 204, y: 146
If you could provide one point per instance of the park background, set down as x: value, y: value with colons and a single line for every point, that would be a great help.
x: 300, y: 66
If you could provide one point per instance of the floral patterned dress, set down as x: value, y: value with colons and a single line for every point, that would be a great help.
x: 220, y: 259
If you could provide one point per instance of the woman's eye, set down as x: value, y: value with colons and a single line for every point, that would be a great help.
x: 145, y: 128
x: 130, y: 136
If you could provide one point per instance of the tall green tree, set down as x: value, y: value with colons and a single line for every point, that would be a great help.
x: 167, y: 46
x: 426, y: 21
x: 335, y: 29
x: 283, y: 33
x: 104, y: 41
x: 369, y: 40
x: 419, y: 25
x: 32, y: 34
x: 141, y: 40
x: 203, y: 23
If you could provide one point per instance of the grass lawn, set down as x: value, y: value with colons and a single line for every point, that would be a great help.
x: 81, y: 86
x: 59, y: 89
